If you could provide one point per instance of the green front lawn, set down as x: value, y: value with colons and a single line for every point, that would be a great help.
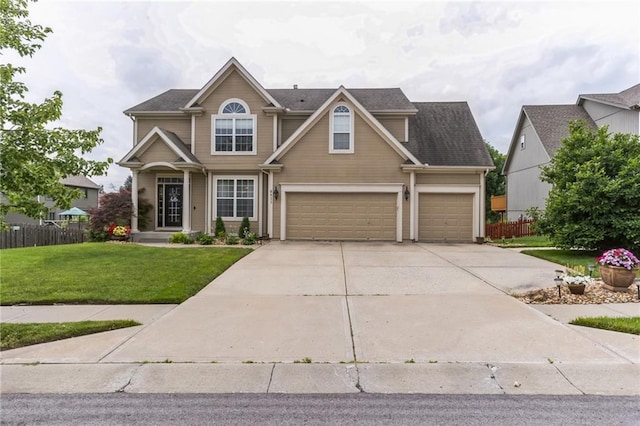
x: 571, y: 258
x: 629, y: 325
x: 18, y: 335
x: 96, y: 273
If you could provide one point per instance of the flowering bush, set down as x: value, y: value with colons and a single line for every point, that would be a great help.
x: 619, y: 257
x: 118, y: 230
x: 577, y: 279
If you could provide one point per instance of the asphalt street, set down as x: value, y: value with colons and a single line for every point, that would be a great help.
x: 332, y: 409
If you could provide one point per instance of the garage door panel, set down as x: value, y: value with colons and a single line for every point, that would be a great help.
x: 445, y: 217
x: 341, y: 216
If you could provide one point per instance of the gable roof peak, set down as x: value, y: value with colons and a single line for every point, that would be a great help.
x: 232, y: 62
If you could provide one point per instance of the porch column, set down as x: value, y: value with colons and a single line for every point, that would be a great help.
x: 134, y: 201
x: 186, y: 204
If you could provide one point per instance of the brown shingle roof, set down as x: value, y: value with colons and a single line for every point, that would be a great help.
x: 551, y: 122
x: 446, y: 134
x: 171, y: 100
x: 294, y: 99
x: 79, y: 182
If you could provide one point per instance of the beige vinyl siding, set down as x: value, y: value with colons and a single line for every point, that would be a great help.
x: 288, y: 126
x: 147, y: 183
x: 373, y: 161
x: 198, y: 182
x: 233, y: 85
x: 448, y: 178
x: 341, y: 216
x: 395, y: 126
x: 181, y: 127
x: 158, y: 151
x: 445, y: 217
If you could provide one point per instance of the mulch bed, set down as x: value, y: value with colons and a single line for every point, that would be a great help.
x: 594, y: 293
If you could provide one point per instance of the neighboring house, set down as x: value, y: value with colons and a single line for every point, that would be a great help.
x: 89, y: 200
x: 538, y: 135
x: 326, y: 164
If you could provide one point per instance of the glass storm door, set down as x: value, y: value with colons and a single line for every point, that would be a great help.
x: 169, y: 205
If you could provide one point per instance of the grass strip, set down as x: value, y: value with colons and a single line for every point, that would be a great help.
x: 16, y: 335
x: 629, y: 325
x: 532, y: 241
x: 103, y: 273
x: 569, y: 258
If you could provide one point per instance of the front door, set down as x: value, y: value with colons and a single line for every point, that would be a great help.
x: 169, y: 205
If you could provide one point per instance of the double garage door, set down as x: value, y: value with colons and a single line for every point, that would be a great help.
x: 341, y: 216
x: 372, y: 216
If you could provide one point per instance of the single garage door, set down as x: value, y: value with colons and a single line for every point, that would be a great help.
x: 446, y: 217
x: 341, y: 216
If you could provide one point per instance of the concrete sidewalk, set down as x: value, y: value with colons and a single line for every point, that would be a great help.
x: 376, y: 317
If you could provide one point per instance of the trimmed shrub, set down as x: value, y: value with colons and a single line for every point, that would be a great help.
x: 180, y: 238
x: 250, y: 239
x: 221, y: 231
x: 232, y: 240
x: 205, y: 239
x: 245, y: 228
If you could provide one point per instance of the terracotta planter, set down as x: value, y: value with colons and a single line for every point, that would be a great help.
x: 576, y: 288
x: 617, y: 278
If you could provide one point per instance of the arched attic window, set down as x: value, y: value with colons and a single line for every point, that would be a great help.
x: 234, y: 129
x: 341, y: 140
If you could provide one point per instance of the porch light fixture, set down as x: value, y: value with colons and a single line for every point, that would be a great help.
x: 406, y: 193
x: 276, y: 193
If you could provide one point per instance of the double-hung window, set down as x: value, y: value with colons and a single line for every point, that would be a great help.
x: 341, y: 140
x: 234, y: 129
x: 235, y: 197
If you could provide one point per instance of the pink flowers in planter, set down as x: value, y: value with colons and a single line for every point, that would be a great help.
x: 619, y: 257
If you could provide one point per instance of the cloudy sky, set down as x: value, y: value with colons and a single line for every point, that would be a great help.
x: 110, y: 55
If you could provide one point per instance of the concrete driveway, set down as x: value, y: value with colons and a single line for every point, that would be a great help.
x: 370, y: 302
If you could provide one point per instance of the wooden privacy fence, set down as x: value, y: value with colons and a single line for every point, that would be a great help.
x: 36, y: 235
x: 519, y: 228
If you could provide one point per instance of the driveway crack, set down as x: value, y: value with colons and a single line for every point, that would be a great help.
x: 353, y: 342
x: 271, y: 377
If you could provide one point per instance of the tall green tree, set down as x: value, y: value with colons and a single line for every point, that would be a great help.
x: 34, y: 156
x: 594, y: 201
x: 495, y: 181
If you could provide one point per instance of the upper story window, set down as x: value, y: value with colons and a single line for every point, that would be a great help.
x: 341, y: 140
x: 234, y: 129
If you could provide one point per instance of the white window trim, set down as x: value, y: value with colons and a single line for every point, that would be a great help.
x: 351, y: 133
x: 214, y: 196
x: 253, y: 117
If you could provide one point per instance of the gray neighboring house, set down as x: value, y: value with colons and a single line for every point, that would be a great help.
x: 538, y: 135
x: 89, y: 188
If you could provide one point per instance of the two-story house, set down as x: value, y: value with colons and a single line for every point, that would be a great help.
x: 326, y: 164
x: 540, y: 130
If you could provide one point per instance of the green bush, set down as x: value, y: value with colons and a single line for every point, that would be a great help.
x: 595, y: 198
x: 250, y: 238
x: 205, y: 239
x: 97, y: 235
x: 245, y: 228
x: 221, y: 231
x: 180, y: 238
x: 232, y: 240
